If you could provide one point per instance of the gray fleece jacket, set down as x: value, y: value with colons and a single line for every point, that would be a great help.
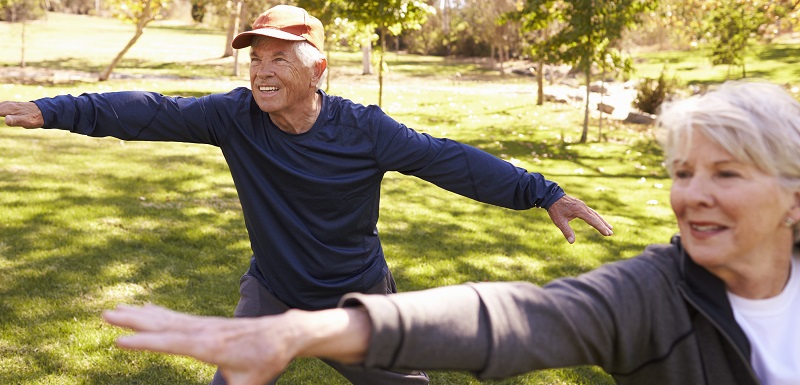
x: 657, y: 318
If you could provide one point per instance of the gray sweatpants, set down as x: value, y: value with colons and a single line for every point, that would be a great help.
x: 255, y: 300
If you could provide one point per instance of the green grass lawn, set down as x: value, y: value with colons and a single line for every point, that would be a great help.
x: 776, y: 62
x: 90, y: 223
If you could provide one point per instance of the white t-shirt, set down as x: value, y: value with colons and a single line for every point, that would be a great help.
x: 773, y: 327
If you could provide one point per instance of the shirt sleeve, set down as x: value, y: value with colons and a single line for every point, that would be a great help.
x: 607, y: 317
x: 145, y: 116
x: 461, y: 168
x: 442, y: 328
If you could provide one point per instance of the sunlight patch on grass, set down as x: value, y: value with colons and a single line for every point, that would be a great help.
x: 123, y: 292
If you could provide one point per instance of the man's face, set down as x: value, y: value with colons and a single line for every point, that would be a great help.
x: 279, y: 80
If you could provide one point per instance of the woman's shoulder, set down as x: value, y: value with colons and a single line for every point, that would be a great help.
x: 663, y: 259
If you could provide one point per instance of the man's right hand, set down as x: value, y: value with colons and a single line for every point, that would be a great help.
x: 22, y: 114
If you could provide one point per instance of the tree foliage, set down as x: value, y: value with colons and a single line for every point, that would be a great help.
x: 20, y: 10
x: 386, y: 16
x: 339, y: 30
x: 729, y: 28
x: 587, y: 35
x: 466, y: 28
x: 537, y: 20
x: 501, y: 34
x: 198, y: 10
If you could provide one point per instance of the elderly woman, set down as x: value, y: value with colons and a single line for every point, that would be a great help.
x: 718, y: 305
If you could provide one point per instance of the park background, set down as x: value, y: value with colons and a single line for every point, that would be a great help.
x: 86, y: 223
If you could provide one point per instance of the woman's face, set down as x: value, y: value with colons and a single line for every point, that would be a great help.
x: 730, y: 214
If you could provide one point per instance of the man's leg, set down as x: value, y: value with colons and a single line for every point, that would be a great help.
x: 254, y: 301
x: 365, y: 376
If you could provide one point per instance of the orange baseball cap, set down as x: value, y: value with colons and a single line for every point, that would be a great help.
x: 284, y: 22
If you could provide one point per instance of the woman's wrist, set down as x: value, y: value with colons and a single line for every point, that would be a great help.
x: 338, y: 334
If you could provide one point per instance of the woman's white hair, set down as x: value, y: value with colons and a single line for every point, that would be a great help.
x: 755, y: 121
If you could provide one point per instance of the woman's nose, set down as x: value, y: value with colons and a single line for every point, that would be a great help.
x: 699, y: 191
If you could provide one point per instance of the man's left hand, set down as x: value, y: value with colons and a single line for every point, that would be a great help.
x: 568, y: 208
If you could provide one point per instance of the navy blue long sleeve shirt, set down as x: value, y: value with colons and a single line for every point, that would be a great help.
x: 310, y: 201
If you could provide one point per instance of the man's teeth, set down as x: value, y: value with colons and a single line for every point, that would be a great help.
x: 706, y: 227
x: 267, y: 88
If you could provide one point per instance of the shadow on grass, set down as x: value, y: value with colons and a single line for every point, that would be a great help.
x: 128, y: 66
x: 75, y: 255
x: 788, y: 54
x: 453, y: 243
x: 186, y: 29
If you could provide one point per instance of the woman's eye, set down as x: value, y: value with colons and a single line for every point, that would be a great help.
x: 728, y: 174
x: 682, y: 174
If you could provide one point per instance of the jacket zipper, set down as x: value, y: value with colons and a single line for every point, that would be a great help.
x: 725, y: 334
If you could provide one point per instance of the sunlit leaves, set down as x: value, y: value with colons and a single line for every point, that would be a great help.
x: 140, y: 12
x: 729, y: 28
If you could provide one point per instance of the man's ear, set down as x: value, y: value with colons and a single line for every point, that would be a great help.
x: 319, y: 69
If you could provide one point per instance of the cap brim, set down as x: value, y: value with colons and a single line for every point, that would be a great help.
x: 245, y: 39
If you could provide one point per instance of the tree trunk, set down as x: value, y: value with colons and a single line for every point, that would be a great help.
x: 366, y: 53
x: 540, y: 83
x: 500, y: 59
x: 22, y: 48
x: 492, y: 49
x: 446, y: 26
x: 328, y: 76
x: 236, y: 63
x: 540, y: 75
x: 107, y: 72
x: 600, y: 122
x: 585, y: 132
x: 242, y: 12
x: 380, y: 69
x: 147, y: 16
x: 233, y: 27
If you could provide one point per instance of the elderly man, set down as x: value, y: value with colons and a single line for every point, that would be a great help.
x: 307, y: 167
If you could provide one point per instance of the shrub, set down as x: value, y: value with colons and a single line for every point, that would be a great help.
x: 651, y: 93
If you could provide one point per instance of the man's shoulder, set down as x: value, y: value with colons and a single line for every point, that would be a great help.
x: 237, y: 94
x: 237, y: 101
x: 346, y: 112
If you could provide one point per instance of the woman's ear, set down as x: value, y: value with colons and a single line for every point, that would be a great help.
x: 793, y: 216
